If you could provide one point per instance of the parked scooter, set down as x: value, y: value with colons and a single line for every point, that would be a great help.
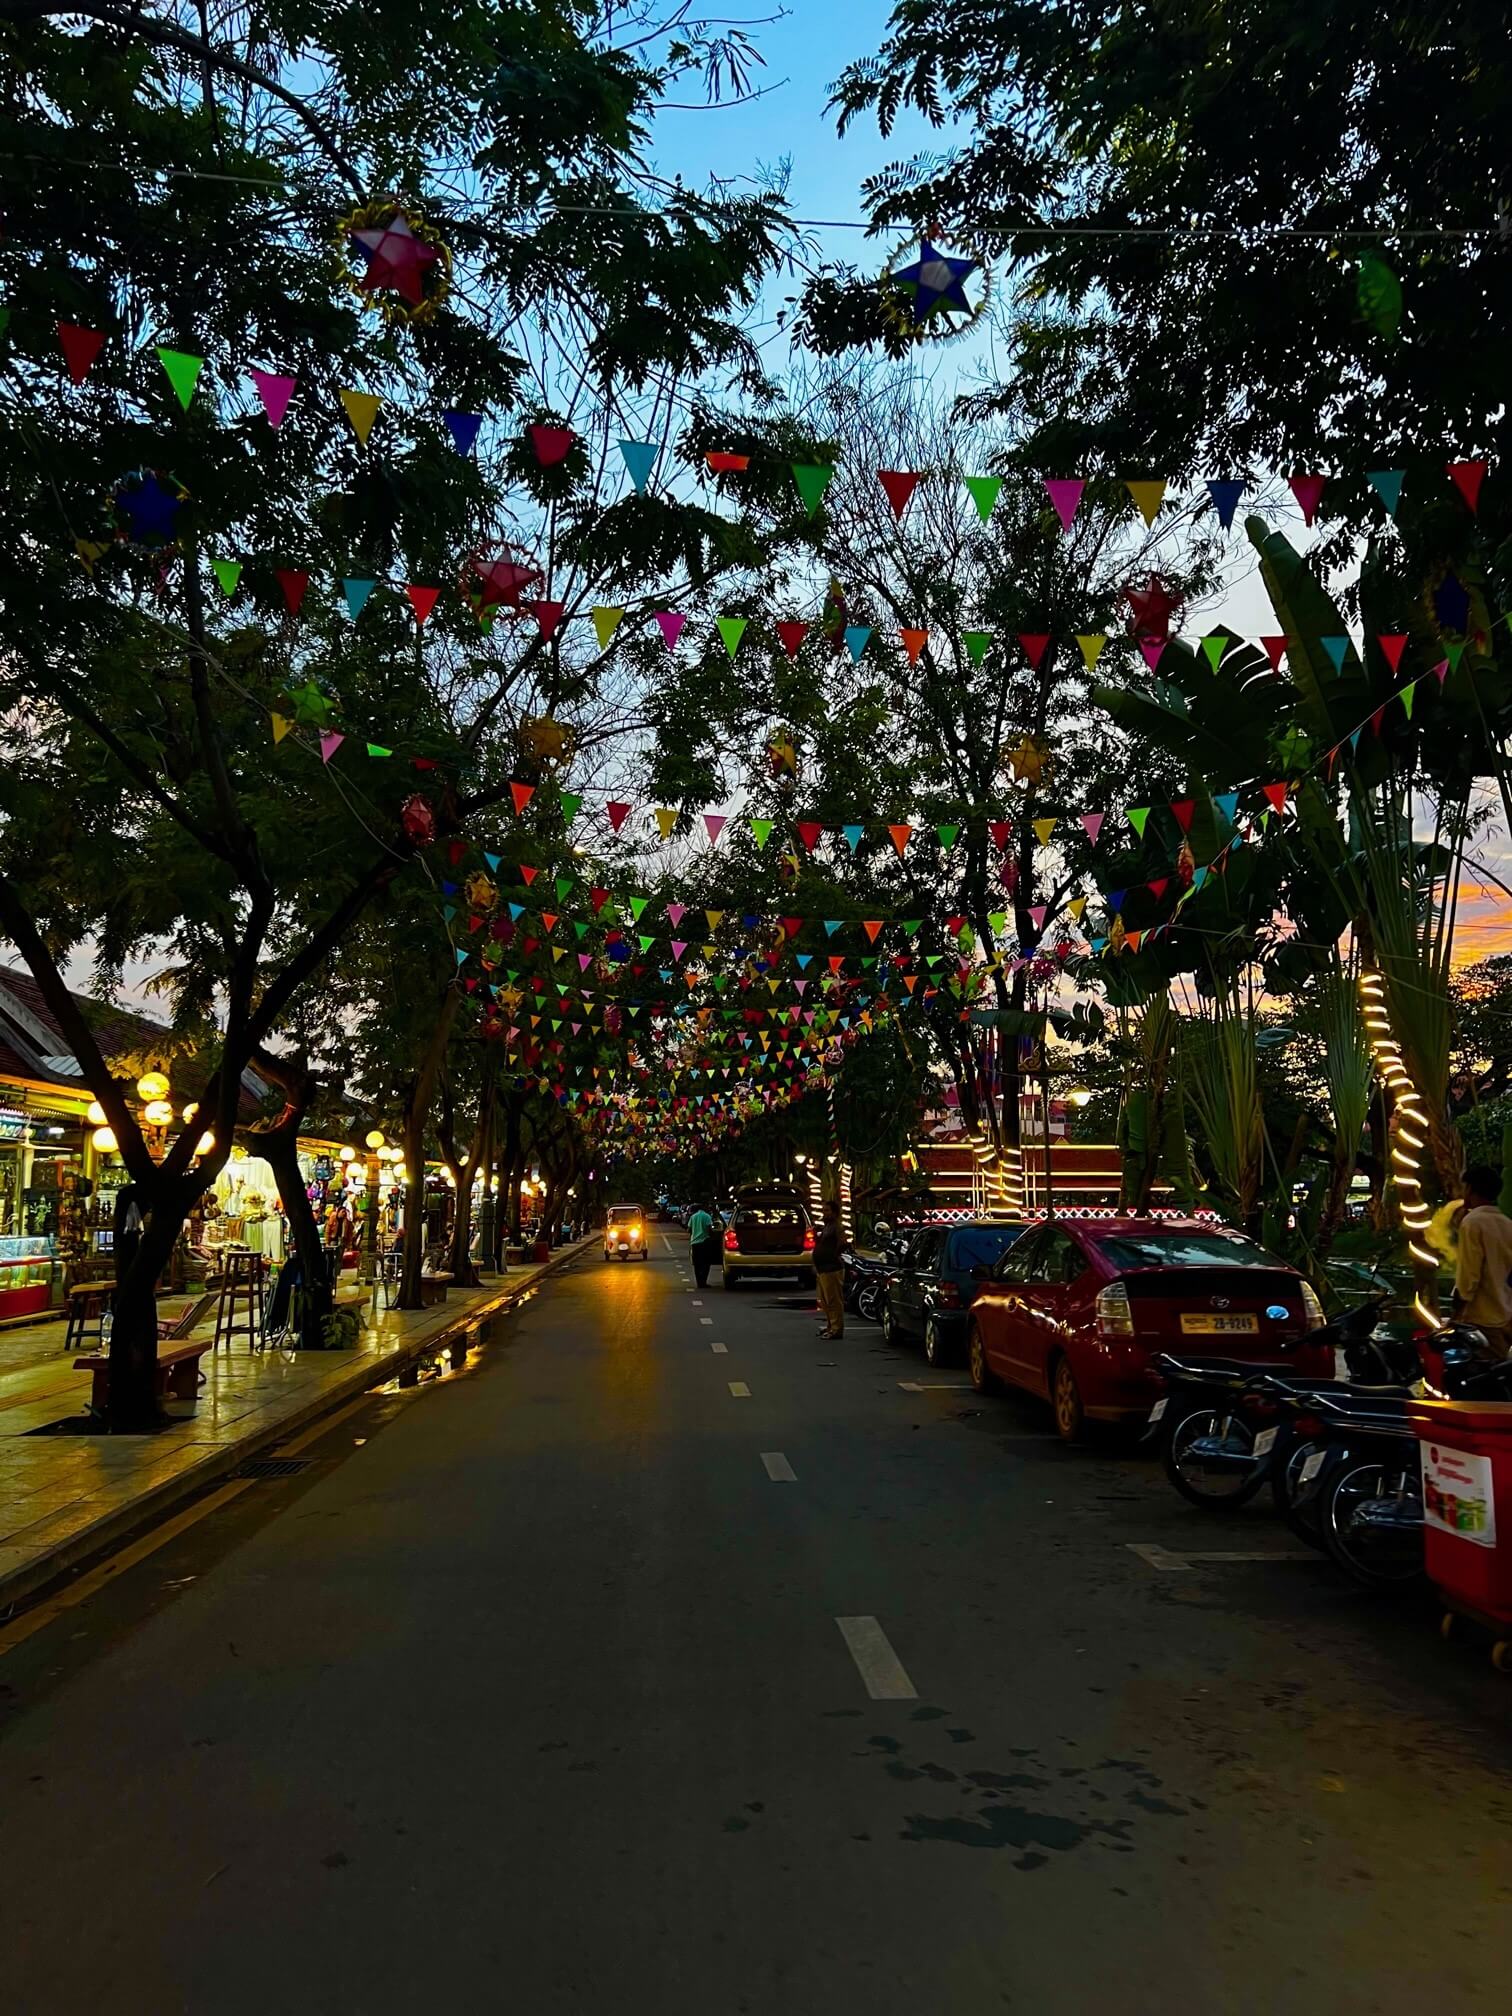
x: 865, y: 1275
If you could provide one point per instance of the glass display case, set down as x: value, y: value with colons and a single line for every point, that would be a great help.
x: 31, y: 1277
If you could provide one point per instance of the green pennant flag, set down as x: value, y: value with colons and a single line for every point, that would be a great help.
x: 1454, y: 653
x: 564, y: 887
x: 183, y: 372
x: 911, y: 927
x: 813, y: 479
x: 1213, y: 649
x: 637, y: 905
x: 984, y: 493
x: 377, y: 749
x: 1407, y: 694
x: 948, y: 835
x: 998, y: 919
x: 762, y: 828
x: 731, y: 629
x: 572, y: 804
x: 976, y: 642
x: 647, y: 942
x: 228, y: 573
x: 581, y: 929
x: 1136, y: 816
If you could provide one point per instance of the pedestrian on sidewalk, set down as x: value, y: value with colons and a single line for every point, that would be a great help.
x: 703, y: 1244
x: 1482, y: 1295
x: 829, y: 1272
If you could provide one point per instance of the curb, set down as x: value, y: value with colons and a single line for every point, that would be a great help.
x: 90, y: 1542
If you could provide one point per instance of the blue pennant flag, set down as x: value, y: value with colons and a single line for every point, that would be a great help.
x: 1387, y: 484
x: 640, y: 459
x: 493, y: 861
x: 463, y: 429
x: 1225, y: 492
x: 357, y: 593
x: 852, y: 836
x: 1337, y: 649
x: 856, y: 639
x: 1228, y: 804
x: 832, y: 925
x: 517, y: 911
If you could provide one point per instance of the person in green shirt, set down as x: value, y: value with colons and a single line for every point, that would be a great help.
x: 703, y: 1244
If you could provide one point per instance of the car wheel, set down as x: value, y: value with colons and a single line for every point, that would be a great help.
x: 889, y: 1324
x: 980, y: 1372
x: 1065, y: 1398
x: 935, y: 1349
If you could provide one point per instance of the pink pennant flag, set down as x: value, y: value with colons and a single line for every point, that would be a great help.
x: 618, y: 813
x: 1441, y: 670
x: 715, y: 823
x: 677, y: 912
x: 679, y: 946
x: 275, y: 391
x: 1065, y: 495
x: 1467, y: 478
x: 1092, y: 823
x: 1037, y: 916
x: 671, y: 627
x: 330, y: 742
x: 1391, y: 650
x: 1308, y: 491
x: 1152, y: 647
x: 585, y: 960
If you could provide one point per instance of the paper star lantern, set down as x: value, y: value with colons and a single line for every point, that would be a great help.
x: 929, y: 293
x: 146, y: 504
x: 494, y: 579
x: 396, y: 261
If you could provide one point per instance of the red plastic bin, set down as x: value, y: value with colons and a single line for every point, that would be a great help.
x: 1467, y: 1502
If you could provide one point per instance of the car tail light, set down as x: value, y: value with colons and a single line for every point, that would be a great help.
x: 808, y: 1239
x: 732, y: 1244
x: 1115, y: 1316
x: 1312, y: 1308
x: 947, y: 1295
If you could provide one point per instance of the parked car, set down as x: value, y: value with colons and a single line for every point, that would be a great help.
x: 928, y: 1289
x: 770, y: 1233
x: 625, y: 1233
x: 1076, y: 1310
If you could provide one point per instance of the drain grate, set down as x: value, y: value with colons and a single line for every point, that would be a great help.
x: 274, y: 1466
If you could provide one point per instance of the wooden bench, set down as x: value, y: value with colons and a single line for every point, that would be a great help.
x: 176, y: 1372
x: 433, y: 1289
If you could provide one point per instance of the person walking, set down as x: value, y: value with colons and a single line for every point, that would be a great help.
x: 829, y: 1272
x: 1482, y: 1296
x: 703, y: 1244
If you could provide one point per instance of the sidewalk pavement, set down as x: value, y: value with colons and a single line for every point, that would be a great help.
x: 67, y: 1497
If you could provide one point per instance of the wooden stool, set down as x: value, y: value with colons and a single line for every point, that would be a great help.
x: 87, y: 1303
x: 239, y: 1312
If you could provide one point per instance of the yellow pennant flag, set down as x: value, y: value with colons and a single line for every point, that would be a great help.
x: 281, y: 726
x: 362, y: 411
x: 773, y: 985
x: 1149, y: 496
x: 715, y: 917
x: 666, y: 819
x: 605, y: 622
x: 556, y: 953
x: 1091, y: 647
x: 1076, y: 907
x: 1043, y: 828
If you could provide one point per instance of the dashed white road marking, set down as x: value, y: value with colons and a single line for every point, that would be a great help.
x: 1169, y: 1563
x: 739, y: 1390
x: 879, y: 1666
x: 932, y: 1386
x: 778, y: 1467
x: 696, y: 1303
x: 707, y: 1319
x: 715, y: 1345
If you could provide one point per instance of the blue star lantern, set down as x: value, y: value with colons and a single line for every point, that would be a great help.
x: 149, y: 508
x: 934, y: 282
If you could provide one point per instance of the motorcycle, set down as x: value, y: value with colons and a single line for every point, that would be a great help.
x: 865, y: 1275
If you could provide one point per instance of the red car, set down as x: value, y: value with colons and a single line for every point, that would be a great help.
x: 1077, y: 1309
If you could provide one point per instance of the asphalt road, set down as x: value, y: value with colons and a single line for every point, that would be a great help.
x: 548, y: 1688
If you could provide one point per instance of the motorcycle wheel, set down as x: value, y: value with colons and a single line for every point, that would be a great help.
x: 866, y: 1301
x: 1215, y: 1486
x: 1286, y: 1482
x: 1375, y: 1556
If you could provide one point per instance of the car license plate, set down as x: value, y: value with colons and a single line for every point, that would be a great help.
x: 1265, y: 1441
x: 1313, y: 1465
x: 1159, y: 1408
x: 1220, y: 1326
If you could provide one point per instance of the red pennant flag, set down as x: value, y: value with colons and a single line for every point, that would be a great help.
x: 792, y: 926
x: 1001, y: 831
x: 80, y: 349
x: 1033, y: 647
x: 1467, y: 478
x: 900, y: 484
x: 293, y: 581
x: 598, y: 898
x: 422, y: 601
x: 901, y: 835
x: 724, y: 464
x: 551, y: 444
x: 618, y: 813
x: 1308, y: 490
x: 1274, y: 646
x: 1391, y: 650
x: 1181, y: 812
x: 473, y: 923
x: 527, y: 873
x: 1157, y: 889
x: 872, y: 927
x: 1376, y: 720
x: 792, y: 635
x: 522, y: 795
x: 1276, y: 794
x: 913, y: 643
x: 808, y: 832
x: 548, y: 615
x: 549, y: 918
x: 953, y: 924
x: 456, y: 851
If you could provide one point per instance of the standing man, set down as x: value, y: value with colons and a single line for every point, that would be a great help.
x: 1481, y: 1294
x: 829, y: 1272
x: 703, y: 1244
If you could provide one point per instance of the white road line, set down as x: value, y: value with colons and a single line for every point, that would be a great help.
x: 714, y: 1346
x: 919, y: 1386
x: 739, y: 1390
x: 879, y: 1666
x: 707, y: 1319
x: 778, y: 1467
x: 1167, y: 1563
x: 696, y: 1303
